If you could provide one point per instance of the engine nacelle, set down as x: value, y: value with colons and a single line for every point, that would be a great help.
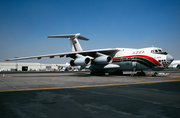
x: 81, y: 61
x: 103, y: 59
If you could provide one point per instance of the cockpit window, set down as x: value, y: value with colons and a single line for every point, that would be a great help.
x: 158, y: 51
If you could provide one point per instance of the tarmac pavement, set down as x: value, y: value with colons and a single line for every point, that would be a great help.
x: 77, y: 94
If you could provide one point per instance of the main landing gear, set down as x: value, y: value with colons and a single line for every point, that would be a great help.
x: 97, y: 72
x: 101, y: 73
x: 155, y: 74
x: 142, y: 73
x: 116, y: 73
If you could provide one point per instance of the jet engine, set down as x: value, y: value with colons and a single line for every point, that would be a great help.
x: 102, y: 59
x: 81, y: 61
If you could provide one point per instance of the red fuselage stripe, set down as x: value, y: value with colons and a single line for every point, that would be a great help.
x: 142, y: 56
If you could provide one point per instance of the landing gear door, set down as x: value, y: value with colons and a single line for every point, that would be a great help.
x: 134, y: 64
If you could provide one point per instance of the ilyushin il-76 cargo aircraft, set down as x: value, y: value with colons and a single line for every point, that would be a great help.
x: 112, y: 60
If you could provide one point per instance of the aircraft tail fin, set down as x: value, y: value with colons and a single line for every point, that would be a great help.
x: 73, y: 38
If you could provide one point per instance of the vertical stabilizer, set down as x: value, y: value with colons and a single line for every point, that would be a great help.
x: 75, y: 45
x: 73, y: 38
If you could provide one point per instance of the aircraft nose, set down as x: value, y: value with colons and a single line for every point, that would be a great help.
x: 169, y: 58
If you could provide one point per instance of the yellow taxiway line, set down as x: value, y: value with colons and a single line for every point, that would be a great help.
x: 86, y: 86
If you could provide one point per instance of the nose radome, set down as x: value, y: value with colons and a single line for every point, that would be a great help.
x: 169, y: 58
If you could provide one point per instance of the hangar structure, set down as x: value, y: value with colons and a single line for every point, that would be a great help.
x: 18, y: 66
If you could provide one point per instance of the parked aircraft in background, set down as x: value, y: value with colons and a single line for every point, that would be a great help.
x: 112, y: 60
x: 175, y: 64
x: 68, y: 67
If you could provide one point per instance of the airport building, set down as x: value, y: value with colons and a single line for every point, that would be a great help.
x: 16, y: 66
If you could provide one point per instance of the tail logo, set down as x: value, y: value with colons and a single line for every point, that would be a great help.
x: 74, y: 43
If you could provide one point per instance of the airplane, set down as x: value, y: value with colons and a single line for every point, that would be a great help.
x: 111, y: 60
x: 175, y: 64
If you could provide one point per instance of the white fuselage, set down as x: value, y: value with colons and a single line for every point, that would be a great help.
x: 127, y: 59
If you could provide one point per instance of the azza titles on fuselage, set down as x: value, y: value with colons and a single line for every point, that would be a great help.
x: 111, y: 60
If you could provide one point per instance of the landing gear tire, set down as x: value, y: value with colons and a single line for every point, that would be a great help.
x: 97, y: 73
x: 116, y: 73
x: 155, y: 74
x: 142, y: 73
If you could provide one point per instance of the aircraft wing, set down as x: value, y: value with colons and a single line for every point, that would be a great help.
x: 92, y: 53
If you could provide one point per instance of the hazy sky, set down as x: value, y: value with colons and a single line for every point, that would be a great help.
x: 25, y: 25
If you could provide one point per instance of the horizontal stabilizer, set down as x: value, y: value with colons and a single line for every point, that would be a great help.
x: 69, y: 36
